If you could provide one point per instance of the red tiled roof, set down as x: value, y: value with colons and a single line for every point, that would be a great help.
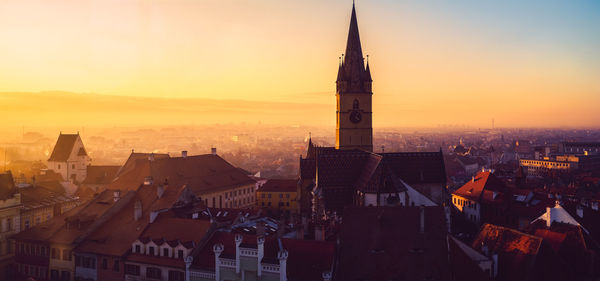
x: 114, y: 238
x: 170, y: 228
x: 157, y: 260
x: 63, y: 147
x: 483, y: 187
x: 100, y: 174
x: 279, y: 185
x: 517, y: 251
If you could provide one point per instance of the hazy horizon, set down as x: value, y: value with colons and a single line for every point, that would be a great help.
x: 464, y: 63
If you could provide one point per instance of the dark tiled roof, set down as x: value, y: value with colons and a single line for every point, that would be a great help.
x: 100, y: 174
x: 417, y: 167
x: 63, y: 148
x: 385, y: 243
x: 279, y: 185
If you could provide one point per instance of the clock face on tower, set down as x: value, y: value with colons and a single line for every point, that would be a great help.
x: 355, y: 116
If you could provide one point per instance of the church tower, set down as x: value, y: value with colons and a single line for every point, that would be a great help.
x: 354, y: 129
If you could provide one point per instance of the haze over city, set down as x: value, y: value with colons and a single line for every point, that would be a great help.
x: 529, y: 64
x: 269, y: 140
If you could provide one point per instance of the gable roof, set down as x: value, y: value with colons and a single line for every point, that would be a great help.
x: 63, y: 147
x: 482, y: 187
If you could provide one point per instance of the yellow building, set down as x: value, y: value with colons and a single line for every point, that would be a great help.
x: 279, y: 194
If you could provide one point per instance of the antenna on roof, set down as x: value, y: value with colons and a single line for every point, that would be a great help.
x: 342, y: 59
x: 367, y: 59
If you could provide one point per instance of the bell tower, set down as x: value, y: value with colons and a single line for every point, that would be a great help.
x: 354, y: 129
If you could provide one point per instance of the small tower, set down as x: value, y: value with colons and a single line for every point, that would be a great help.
x: 282, y: 257
x: 218, y: 249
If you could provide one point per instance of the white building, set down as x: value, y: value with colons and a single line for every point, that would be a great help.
x: 69, y: 158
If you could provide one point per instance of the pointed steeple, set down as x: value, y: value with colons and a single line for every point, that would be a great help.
x: 352, y: 75
x: 354, y: 61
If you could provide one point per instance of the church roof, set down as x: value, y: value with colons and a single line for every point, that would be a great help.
x: 64, y: 146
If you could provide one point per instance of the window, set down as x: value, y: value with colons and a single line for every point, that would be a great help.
x: 65, y: 276
x: 132, y: 269
x: 116, y: 266
x: 262, y: 195
x: 78, y: 261
x: 151, y: 251
x: 54, y: 275
x: 165, y: 252
x: 214, y: 204
x: 59, y: 169
x: 287, y: 195
x: 180, y: 254
x: 269, y: 204
x: 26, y: 224
x: 287, y: 204
x: 176, y: 275
x: 67, y: 255
x: 138, y: 249
x: 104, y: 263
x: 262, y: 203
x: 280, y: 195
x: 54, y: 254
x: 269, y: 195
x: 8, y: 224
x: 153, y: 272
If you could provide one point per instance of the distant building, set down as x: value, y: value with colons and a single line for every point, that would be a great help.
x: 560, y: 164
x: 96, y: 180
x: 279, y: 194
x: 580, y: 148
x: 69, y: 158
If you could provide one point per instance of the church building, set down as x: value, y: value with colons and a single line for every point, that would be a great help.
x: 351, y: 174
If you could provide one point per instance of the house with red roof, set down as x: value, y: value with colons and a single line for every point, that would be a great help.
x: 483, y: 199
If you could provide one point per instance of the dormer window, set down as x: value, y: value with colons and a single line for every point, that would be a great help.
x: 151, y: 251
x: 138, y: 249
x: 180, y: 254
x: 165, y: 252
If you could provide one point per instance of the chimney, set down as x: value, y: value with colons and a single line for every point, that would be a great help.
x: 184, y: 153
x: 151, y: 156
x: 422, y: 219
x: 213, y: 150
x: 473, y: 179
x: 116, y: 195
x: 580, y: 211
x: 326, y: 276
x: 548, y: 216
x: 495, y: 265
x: 137, y: 210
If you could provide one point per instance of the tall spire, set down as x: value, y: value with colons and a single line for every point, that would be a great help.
x: 353, y: 61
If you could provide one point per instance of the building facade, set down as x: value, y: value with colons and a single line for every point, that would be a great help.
x: 69, y: 158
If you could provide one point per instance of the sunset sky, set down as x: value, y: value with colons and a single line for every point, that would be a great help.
x: 524, y: 63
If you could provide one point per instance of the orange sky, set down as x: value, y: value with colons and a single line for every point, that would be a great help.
x: 432, y: 62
